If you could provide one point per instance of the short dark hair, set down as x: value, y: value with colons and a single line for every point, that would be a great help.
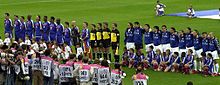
x: 173, y: 29
x: 47, y: 52
x: 105, y: 63
x: 38, y: 16
x: 190, y: 83
x: 67, y: 23
x: 137, y: 23
x: 204, y: 33
x: 176, y: 53
x: 197, y: 31
x: 7, y: 14
x: 156, y: 27
x: 72, y: 56
x: 93, y: 25
x: 115, y: 24
x: 100, y: 24
x: 151, y: 47
x: 22, y: 17
x: 209, y: 54
x: 86, y: 23
x: 147, y: 25
x: 203, y: 54
x: 164, y: 26
x: 85, y: 60
x: 105, y: 23
x: 53, y: 18
x: 16, y: 16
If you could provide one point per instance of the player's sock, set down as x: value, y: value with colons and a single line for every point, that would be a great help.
x: 200, y: 66
x: 110, y: 56
x: 105, y: 56
x: 216, y: 68
x: 195, y: 65
x: 116, y: 58
x: 93, y: 55
x: 98, y: 55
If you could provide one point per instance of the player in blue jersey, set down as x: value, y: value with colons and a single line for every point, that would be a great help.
x: 67, y: 34
x: 165, y: 38
x: 30, y: 27
x: 208, y: 68
x: 46, y: 28
x: 156, y: 60
x: 52, y: 30
x: 189, y: 39
x: 23, y: 28
x: 17, y: 27
x: 187, y: 62
x: 138, y: 36
x: 182, y: 42
x: 174, y: 40
x: 148, y: 37
x: 205, y: 42
x: 86, y: 39
x: 129, y: 36
x: 60, y: 31
x: 8, y: 25
x: 166, y: 61
x: 157, y: 38
x: 197, y: 41
x: 190, y: 12
x: 213, y: 42
x: 38, y: 28
x: 175, y: 62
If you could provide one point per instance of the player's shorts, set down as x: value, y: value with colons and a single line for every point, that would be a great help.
x: 165, y: 47
x: 114, y: 45
x: 158, y: 47
x: 99, y: 43
x: 106, y: 43
x: 198, y: 53
x: 160, y: 13
x: 214, y: 54
x: 130, y: 45
x: 138, y: 46
x: 174, y: 49
x: 192, y: 48
x: 147, y: 46
x: 92, y: 43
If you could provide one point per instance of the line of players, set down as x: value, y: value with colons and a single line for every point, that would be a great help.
x: 51, y: 31
x: 162, y: 44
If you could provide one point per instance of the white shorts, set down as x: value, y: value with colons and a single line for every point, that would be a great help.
x: 181, y: 51
x: 198, y: 53
x: 176, y: 49
x: 214, y: 54
x: 158, y: 47
x: 165, y: 47
x: 147, y: 46
x: 192, y: 48
x: 130, y: 45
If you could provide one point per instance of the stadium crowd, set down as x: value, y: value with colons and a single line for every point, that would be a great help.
x: 35, y: 51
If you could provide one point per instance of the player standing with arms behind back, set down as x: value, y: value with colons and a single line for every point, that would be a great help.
x: 115, y: 39
x: 106, y: 41
x: 8, y: 25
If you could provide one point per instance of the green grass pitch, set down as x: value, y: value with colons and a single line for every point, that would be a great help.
x: 121, y: 12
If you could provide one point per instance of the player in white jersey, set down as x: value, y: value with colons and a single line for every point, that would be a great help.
x: 104, y: 73
x: 140, y: 78
x: 85, y: 73
x: 160, y: 9
x: 190, y: 12
x: 94, y: 71
x: 117, y: 75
